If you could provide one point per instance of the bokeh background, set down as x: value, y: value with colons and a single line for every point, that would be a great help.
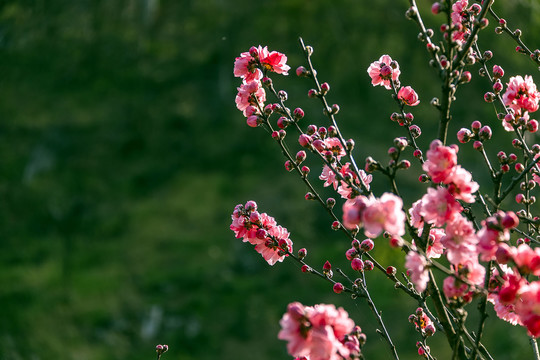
x: 122, y: 156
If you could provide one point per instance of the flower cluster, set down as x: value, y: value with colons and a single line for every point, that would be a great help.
x: 259, y: 229
x: 335, y: 173
x: 385, y: 72
x: 320, y: 332
x: 251, y: 66
x: 521, y: 98
x: 375, y: 214
x: 453, y: 220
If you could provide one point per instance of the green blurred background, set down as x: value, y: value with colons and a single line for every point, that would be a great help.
x: 122, y: 156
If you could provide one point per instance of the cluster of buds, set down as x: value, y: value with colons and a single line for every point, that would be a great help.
x: 422, y: 323
x: 160, y: 349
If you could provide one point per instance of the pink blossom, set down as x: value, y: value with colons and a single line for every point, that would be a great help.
x: 272, y: 252
x: 439, y: 206
x: 318, y: 332
x: 458, y: 9
x: 353, y: 210
x: 490, y: 236
x: 441, y: 161
x: 334, y: 145
x: 472, y: 270
x: 435, y: 248
x: 460, y: 240
x: 528, y: 308
x: 259, y: 229
x: 454, y: 288
x: 244, y: 98
x: 384, y: 214
x: 408, y: 96
x: 506, y: 312
x: 416, y: 219
x: 382, y: 71
x: 275, y: 62
x: 461, y: 184
x: 245, y: 67
x: 527, y: 259
x: 417, y: 265
x: 344, y: 189
x: 329, y: 177
x: 521, y: 94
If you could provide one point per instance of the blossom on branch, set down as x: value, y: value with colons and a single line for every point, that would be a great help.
x: 384, y: 71
x: 375, y: 215
x: 319, y: 332
x: 259, y: 229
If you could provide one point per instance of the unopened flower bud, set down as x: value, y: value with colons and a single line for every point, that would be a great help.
x: 288, y: 165
x: 436, y: 8
x: 498, y: 72
x: 302, y: 253
x: 330, y: 203
x: 367, y: 245
x: 404, y: 164
x: 464, y: 135
x: 351, y: 254
x: 336, y: 225
x: 335, y: 109
x: 305, y: 268
x: 477, y: 145
x: 429, y: 330
x: 386, y: 72
x: 312, y: 93
x: 319, y: 145
x: 298, y: 113
x: 519, y: 167
x: 393, y: 153
x: 305, y: 170
x: 475, y: 126
x: 261, y: 234
x: 519, y: 198
x: 253, y: 121
x: 417, y: 153
x: 309, y: 196
x: 302, y: 71
x: 368, y: 265
x: 300, y: 156
x: 532, y: 126
x: 423, y: 178
x: 323, y: 131
x: 415, y: 131
x: 505, y: 168
x: 338, y: 288
x: 332, y: 132
x: 350, y: 144
x: 391, y: 270
x: 485, y: 133
x: 305, y: 140
x: 497, y: 86
x: 311, y: 129
x: 282, y: 122
x: 357, y: 264
x: 489, y: 97
x: 510, y: 220
x: 325, y: 87
x: 396, y: 242
x: 266, y: 81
